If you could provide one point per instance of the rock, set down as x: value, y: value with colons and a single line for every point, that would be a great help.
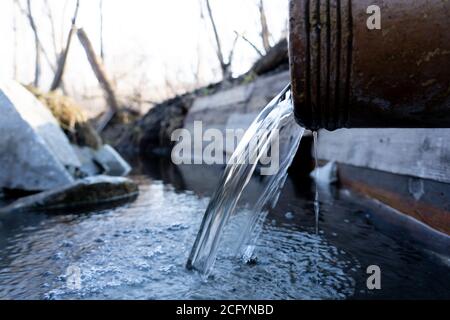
x: 34, y: 150
x: 111, y: 162
x: 82, y: 195
x: 88, y: 167
x: 42, y: 121
x: 104, y: 161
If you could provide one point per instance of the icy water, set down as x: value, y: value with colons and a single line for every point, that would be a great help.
x: 139, y: 251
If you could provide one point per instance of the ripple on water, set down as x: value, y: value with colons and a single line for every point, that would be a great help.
x: 139, y: 252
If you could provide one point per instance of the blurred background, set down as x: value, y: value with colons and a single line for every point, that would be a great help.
x: 151, y: 50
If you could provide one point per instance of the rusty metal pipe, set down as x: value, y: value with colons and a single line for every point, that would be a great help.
x: 344, y: 75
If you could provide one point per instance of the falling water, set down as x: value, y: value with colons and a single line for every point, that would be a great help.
x: 275, y: 123
x: 316, y: 204
x: 316, y: 196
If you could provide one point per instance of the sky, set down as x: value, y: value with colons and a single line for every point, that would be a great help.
x: 148, y: 43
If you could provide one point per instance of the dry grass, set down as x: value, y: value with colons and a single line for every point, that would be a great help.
x: 70, y: 117
x: 63, y: 108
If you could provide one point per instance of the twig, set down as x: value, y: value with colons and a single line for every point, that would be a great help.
x: 233, y: 47
x: 250, y: 43
x: 223, y: 65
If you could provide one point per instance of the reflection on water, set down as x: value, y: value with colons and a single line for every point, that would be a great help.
x: 139, y: 251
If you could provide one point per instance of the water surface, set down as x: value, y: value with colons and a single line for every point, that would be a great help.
x: 139, y: 251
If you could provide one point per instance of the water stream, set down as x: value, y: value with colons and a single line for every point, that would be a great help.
x: 316, y: 195
x: 139, y: 251
x: 274, y: 132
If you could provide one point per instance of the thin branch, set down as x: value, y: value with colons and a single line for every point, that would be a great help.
x: 233, y: 47
x: 38, y: 42
x: 37, y: 70
x: 250, y: 43
x: 223, y: 65
x: 265, y: 34
x: 57, y: 80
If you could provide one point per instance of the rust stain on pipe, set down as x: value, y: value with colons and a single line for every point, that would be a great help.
x: 345, y: 75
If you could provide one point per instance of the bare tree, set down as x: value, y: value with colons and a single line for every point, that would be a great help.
x: 102, y: 77
x: 57, y: 80
x: 265, y: 34
x: 243, y: 37
x: 37, y: 44
x: 225, y: 66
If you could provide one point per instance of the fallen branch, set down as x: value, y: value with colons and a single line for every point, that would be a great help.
x: 102, y: 77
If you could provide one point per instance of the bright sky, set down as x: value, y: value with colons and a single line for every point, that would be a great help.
x: 147, y: 42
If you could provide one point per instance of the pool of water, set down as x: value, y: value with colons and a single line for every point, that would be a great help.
x: 139, y: 251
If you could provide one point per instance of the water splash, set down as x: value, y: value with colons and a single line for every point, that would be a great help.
x: 276, y: 121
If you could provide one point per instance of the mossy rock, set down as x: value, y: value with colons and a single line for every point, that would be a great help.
x: 84, y: 195
x: 70, y: 117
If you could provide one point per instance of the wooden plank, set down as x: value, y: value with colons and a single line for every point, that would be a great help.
x: 426, y: 201
x: 423, y: 153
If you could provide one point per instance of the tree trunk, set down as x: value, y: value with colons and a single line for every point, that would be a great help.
x: 265, y: 34
x: 37, y: 70
x: 99, y: 70
x: 38, y: 44
x: 224, y: 67
x: 59, y: 73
